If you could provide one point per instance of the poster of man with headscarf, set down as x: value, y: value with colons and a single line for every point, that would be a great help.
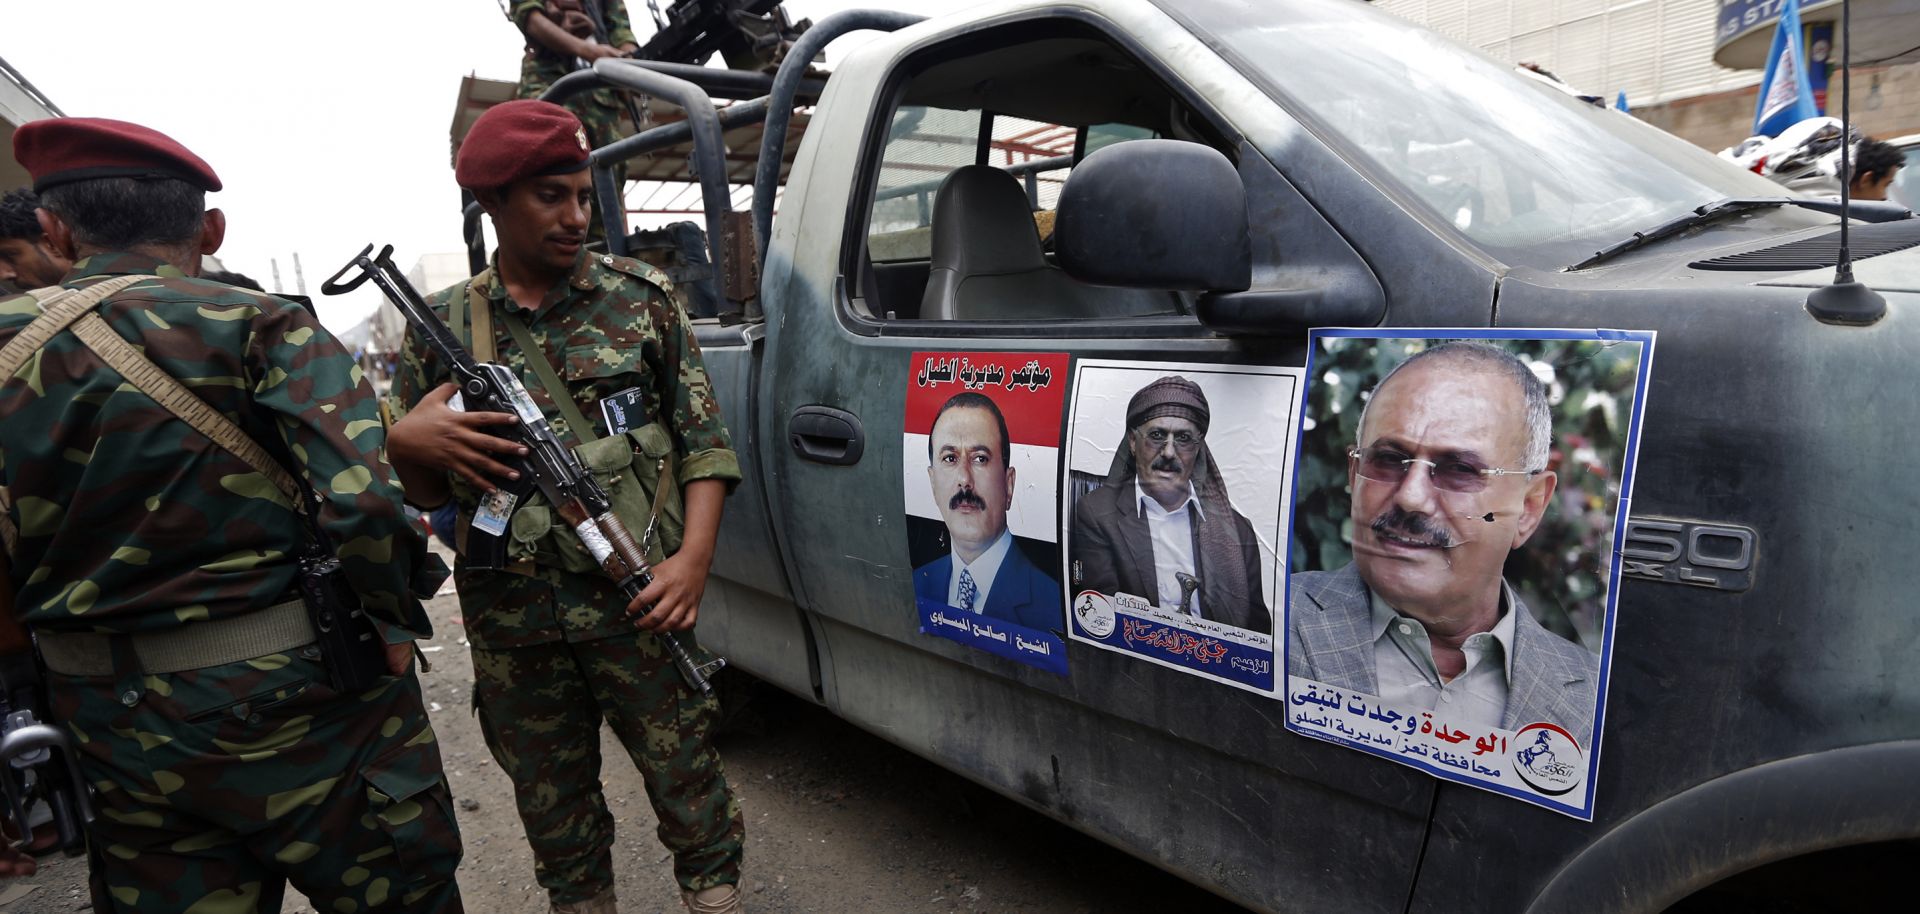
x: 1176, y: 481
x: 1455, y: 549
x: 978, y: 464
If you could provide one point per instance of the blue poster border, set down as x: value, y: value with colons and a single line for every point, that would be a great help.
x: 1646, y: 338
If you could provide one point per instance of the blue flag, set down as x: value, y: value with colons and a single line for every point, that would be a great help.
x: 1620, y: 101
x: 1786, y: 94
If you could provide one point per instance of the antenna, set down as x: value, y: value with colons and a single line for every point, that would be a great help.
x: 1845, y: 301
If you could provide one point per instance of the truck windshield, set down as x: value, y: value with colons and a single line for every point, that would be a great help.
x: 1532, y: 174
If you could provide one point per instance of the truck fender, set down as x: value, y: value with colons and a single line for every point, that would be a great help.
x: 1733, y: 823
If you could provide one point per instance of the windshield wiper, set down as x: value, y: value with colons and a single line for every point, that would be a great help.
x: 1863, y: 210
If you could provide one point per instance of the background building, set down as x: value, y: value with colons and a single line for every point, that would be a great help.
x: 20, y: 102
x: 1662, y: 54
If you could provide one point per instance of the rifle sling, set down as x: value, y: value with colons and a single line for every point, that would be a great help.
x: 548, y: 378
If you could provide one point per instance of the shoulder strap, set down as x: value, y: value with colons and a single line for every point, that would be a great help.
x: 59, y: 308
x: 482, y: 307
x: 174, y: 396
x: 457, y: 314
x: 549, y: 379
x: 483, y: 342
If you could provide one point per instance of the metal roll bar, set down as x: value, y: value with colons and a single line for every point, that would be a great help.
x: 786, y: 85
x: 665, y: 135
x: 736, y: 85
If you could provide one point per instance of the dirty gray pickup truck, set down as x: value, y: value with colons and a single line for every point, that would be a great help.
x: 1761, y: 732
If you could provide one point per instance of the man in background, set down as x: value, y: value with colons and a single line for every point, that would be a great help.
x: 562, y: 36
x: 1875, y: 166
x: 27, y: 258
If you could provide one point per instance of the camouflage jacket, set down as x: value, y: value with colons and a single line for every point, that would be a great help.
x: 608, y: 327
x: 131, y: 521
x: 540, y: 67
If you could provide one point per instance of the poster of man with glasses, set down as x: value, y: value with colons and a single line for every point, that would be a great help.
x: 1454, y: 549
x: 1177, y: 478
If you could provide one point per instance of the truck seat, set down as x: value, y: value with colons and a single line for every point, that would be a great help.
x: 988, y: 265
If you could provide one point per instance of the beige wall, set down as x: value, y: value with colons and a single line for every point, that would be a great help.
x: 1660, y: 52
x: 1653, y: 50
x: 1886, y: 103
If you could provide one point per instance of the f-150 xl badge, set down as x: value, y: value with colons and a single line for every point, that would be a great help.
x: 1720, y: 556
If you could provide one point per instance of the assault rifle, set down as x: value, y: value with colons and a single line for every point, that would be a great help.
x: 549, y: 466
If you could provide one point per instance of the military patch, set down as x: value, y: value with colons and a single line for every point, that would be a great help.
x: 580, y: 133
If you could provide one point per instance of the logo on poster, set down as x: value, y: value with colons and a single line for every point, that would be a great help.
x: 1548, y: 759
x: 1095, y: 613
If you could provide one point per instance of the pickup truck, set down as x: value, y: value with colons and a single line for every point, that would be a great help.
x: 1762, y: 729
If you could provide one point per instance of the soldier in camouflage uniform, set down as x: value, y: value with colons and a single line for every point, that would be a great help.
x: 559, y: 36
x: 556, y: 646
x: 142, y: 545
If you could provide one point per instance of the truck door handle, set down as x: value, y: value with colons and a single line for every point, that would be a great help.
x: 827, y: 435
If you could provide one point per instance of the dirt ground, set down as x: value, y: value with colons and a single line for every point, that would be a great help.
x: 837, y: 821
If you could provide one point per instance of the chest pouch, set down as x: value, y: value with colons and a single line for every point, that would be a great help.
x: 635, y: 469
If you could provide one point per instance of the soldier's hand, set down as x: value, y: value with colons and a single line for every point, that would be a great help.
x: 577, y: 24
x: 593, y: 51
x: 437, y: 436
x: 399, y: 657
x: 571, y: 18
x: 674, y: 595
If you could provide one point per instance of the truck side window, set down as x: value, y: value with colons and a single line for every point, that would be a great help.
x: 968, y: 171
x: 925, y: 144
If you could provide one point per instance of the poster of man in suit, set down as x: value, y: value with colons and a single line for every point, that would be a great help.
x: 1177, y: 477
x: 982, y: 439
x: 1454, y: 540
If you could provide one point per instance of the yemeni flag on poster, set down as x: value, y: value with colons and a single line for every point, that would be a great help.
x: 1786, y: 93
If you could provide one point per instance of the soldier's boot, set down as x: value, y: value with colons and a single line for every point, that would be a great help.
x: 721, y: 899
x: 598, y: 904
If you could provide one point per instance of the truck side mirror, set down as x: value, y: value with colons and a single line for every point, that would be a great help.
x: 1155, y: 214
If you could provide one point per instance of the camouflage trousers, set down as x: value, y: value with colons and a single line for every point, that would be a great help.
x: 215, y: 787
x: 540, y: 710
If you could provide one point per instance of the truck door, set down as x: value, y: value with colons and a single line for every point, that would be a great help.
x: 897, y: 217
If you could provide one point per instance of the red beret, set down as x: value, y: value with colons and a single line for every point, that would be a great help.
x: 519, y: 139
x: 63, y: 150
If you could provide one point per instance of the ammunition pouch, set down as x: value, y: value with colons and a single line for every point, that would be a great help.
x: 629, y: 467
x: 633, y: 468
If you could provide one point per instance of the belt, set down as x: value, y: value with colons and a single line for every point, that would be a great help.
x: 196, y: 645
